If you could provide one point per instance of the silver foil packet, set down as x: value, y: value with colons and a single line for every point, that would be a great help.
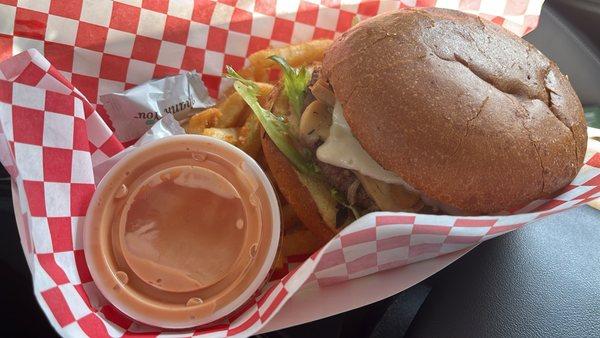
x: 136, y: 110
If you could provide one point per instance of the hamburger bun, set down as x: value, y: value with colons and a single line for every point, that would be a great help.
x: 311, y: 200
x: 467, y: 113
x: 303, y: 197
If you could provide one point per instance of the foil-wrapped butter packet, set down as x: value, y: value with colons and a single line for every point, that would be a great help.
x: 136, y: 110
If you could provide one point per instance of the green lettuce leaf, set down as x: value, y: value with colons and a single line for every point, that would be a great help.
x: 275, y: 126
x: 295, y: 81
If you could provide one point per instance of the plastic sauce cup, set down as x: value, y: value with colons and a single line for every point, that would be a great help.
x: 182, y: 231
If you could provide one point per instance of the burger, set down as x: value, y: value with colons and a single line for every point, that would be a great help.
x: 421, y: 110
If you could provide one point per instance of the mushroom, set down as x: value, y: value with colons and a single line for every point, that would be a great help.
x: 315, y: 122
x: 322, y: 91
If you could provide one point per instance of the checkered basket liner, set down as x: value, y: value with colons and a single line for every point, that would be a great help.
x: 53, y: 132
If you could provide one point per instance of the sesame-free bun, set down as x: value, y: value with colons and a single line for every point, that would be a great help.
x: 316, y: 215
x: 311, y: 199
x: 467, y: 113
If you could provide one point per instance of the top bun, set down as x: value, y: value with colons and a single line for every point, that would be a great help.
x: 467, y: 113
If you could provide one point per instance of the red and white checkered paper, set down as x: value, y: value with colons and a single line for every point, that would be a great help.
x: 53, y: 132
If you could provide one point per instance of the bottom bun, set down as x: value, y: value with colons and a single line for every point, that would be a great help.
x: 310, y: 199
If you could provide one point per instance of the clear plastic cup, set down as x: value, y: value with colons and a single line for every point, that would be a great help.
x: 182, y: 231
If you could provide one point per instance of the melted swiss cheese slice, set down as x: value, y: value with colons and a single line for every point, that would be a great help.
x: 342, y: 149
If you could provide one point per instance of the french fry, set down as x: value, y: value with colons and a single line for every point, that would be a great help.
x: 231, y: 108
x: 300, y: 242
x: 264, y: 89
x: 247, y: 73
x: 202, y: 120
x: 249, y: 134
x: 260, y: 74
x: 222, y: 121
x: 229, y: 135
x: 296, y: 55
